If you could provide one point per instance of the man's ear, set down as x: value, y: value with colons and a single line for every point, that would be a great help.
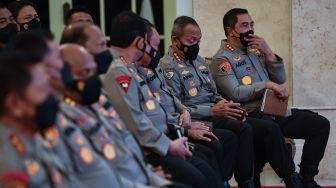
x: 231, y: 31
x: 12, y: 105
x: 175, y: 41
x: 138, y: 42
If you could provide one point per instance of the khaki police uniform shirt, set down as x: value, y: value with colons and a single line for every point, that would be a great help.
x: 191, y: 83
x: 241, y: 75
x: 131, y: 96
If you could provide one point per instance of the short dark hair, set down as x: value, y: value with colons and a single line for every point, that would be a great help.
x: 2, y: 6
x: 180, y: 23
x: 33, y: 42
x: 125, y: 27
x: 14, y: 73
x: 74, y: 33
x: 230, y: 18
x: 16, y: 6
x: 74, y: 10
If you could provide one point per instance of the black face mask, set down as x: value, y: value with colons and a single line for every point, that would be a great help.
x: 32, y: 24
x: 7, y: 32
x: 66, y: 75
x: 89, y: 89
x: 155, y: 59
x: 243, y: 36
x: 103, y: 61
x: 46, y: 113
x: 192, y: 51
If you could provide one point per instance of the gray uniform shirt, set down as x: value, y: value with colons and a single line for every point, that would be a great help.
x: 162, y: 92
x: 122, y: 83
x: 192, y: 83
x: 26, y: 161
x: 90, y: 168
x: 241, y: 75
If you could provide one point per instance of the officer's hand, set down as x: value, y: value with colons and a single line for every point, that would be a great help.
x: 199, y: 125
x: 160, y: 172
x: 260, y: 44
x: 179, y: 147
x: 185, y: 119
x: 227, y: 109
x: 201, y: 135
x: 279, y: 90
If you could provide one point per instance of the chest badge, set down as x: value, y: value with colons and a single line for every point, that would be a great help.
x: 246, y: 80
x: 169, y: 74
x: 237, y: 58
x: 86, y: 155
x: 184, y: 72
x: 109, y: 151
x: 150, y: 105
x: 202, y: 67
x: 193, y: 92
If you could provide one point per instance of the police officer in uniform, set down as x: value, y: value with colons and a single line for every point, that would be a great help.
x: 139, y: 102
x: 27, y: 109
x: 101, y: 123
x: 67, y: 141
x: 244, y: 67
x: 188, y: 76
x: 178, y: 115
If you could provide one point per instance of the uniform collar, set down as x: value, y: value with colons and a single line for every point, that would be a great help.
x: 115, y: 53
x: 226, y: 45
x: 175, y: 55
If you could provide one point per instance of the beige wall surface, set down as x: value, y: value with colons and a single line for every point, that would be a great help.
x: 272, y: 22
x: 314, y: 47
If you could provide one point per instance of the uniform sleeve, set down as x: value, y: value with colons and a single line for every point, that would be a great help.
x: 228, y: 84
x: 11, y: 171
x: 147, y: 134
x: 276, y: 70
x: 179, y: 106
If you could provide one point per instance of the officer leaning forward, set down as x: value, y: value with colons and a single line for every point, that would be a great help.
x: 151, y: 126
x: 223, y: 145
x: 243, y: 68
x: 27, y: 109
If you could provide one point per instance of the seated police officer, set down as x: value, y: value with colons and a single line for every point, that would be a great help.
x: 222, y: 142
x: 128, y: 39
x: 244, y: 67
x: 188, y: 76
x: 27, y: 109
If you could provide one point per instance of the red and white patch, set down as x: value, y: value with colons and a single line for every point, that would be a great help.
x: 224, y: 66
x: 124, y: 81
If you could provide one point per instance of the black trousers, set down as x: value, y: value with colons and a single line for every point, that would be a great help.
x: 225, y: 151
x: 245, y: 154
x: 192, y: 171
x: 269, y: 146
x: 311, y: 127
